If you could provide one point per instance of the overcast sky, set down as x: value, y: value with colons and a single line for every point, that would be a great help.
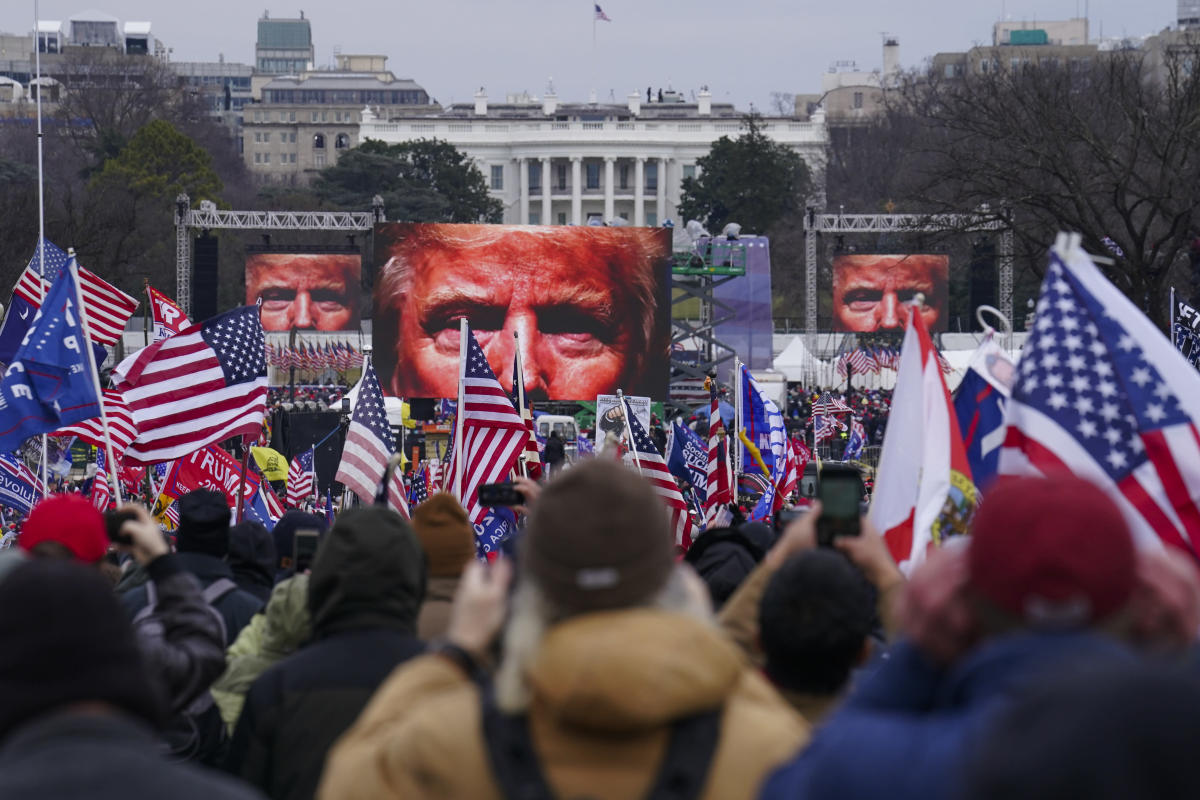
x: 743, y: 50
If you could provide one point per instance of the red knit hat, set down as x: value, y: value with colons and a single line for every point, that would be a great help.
x: 72, y: 521
x: 1054, y: 551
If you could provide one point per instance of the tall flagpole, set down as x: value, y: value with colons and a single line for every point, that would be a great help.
x: 737, y: 418
x: 91, y: 357
x: 463, y: 329
x: 37, y: 56
x: 519, y: 391
x: 628, y: 412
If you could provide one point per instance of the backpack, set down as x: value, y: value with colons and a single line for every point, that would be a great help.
x: 681, y: 776
x: 195, y: 733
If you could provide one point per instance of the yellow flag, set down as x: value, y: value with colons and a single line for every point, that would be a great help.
x: 271, y: 463
x: 754, y: 452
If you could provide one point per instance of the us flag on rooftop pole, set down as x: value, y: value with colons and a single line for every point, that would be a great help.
x: 198, y: 387
x: 491, y: 434
x: 1102, y: 393
x: 650, y: 463
x: 369, y: 444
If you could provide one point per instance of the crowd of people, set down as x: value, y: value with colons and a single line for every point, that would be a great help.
x: 1045, y: 655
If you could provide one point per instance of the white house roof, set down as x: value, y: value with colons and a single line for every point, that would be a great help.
x: 49, y: 26
x: 137, y: 28
x: 91, y: 15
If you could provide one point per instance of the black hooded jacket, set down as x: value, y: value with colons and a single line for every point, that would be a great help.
x: 367, y: 583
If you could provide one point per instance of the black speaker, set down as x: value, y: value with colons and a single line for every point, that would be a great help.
x: 204, y: 277
x: 422, y: 408
x: 304, y: 429
x: 981, y: 279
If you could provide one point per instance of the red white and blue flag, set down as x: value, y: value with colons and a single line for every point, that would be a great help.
x: 493, y: 433
x: 600, y: 16
x: 650, y: 463
x: 101, y: 491
x: 1102, y: 393
x: 369, y: 444
x: 300, y: 479
x: 198, y: 387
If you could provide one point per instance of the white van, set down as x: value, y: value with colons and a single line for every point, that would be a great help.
x: 566, y: 428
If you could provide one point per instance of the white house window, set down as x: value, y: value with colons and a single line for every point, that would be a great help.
x: 497, y: 177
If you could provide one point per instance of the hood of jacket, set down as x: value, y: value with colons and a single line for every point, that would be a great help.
x: 288, y: 624
x: 368, y: 573
x: 632, y: 670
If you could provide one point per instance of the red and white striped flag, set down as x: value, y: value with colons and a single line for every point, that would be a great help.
x: 398, y: 494
x: 108, y: 308
x: 300, y: 479
x: 121, y: 426
x: 493, y: 433
x: 650, y: 463
x: 197, y: 388
x: 1102, y: 393
x: 101, y: 490
x: 719, y: 491
x: 369, y: 441
x: 531, y: 457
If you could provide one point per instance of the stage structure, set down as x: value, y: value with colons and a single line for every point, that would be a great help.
x: 816, y: 223
x: 697, y: 273
x: 209, y: 217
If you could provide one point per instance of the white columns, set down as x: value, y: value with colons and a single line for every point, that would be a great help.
x: 639, y: 187
x: 523, y: 169
x: 609, y: 204
x: 577, y: 190
x: 546, y: 220
x: 661, y: 197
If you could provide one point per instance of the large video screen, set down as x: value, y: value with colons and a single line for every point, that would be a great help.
x: 307, y: 291
x: 590, y: 307
x: 871, y: 292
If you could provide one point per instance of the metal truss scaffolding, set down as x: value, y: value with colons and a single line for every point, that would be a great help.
x: 696, y: 274
x: 209, y: 217
x: 815, y: 224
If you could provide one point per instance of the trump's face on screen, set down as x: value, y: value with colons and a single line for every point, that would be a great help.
x: 581, y: 303
x: 873, y: 292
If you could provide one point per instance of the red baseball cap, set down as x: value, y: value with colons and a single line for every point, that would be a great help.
x: 1055, y: 552
x: 72, y: 521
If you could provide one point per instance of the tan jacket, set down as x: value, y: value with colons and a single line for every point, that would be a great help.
x: 434, y: 618
x: 606, y: 688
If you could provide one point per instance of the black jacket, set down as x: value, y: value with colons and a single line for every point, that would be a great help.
x: 367, y: 583
x: 93, y: 756
x: 236, y: 608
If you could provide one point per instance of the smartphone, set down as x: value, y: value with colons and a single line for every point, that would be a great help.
x: 113, y: 520
x: 840, y: 491
x: 304, y: 548
x: 500, y: 494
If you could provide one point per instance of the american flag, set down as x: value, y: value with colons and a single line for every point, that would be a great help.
x: 531, y: 457
x: 101, y: 491
x: 397, y: 496
x: 858, y: 360
x: 787, y: 478
x: 719, y: 491
x: 420, y: 489
x: 872, y: 362
x: 274, y: 507
x: 600, y: 16
x: 369, y: 442
x: 121, y: 426
x: 650, y: 463
x: 300, y: 479
x: 108, y: 308
x: 198, y: 387
x: 828, y: 404
x: 493, y: 433
x: 1102, y: 393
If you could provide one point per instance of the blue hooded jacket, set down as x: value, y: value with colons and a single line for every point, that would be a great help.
x: 908, y: 729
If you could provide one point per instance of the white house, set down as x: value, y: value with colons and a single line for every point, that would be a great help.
x: 558, y: 164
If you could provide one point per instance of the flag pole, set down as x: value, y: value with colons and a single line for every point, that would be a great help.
x: 463, y: 330
x: 628, y: 409
x: 73, y: 267
x: 37, y: 56
x: 241, y: 499
x: 519, y: 391
x: 736, y: 460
